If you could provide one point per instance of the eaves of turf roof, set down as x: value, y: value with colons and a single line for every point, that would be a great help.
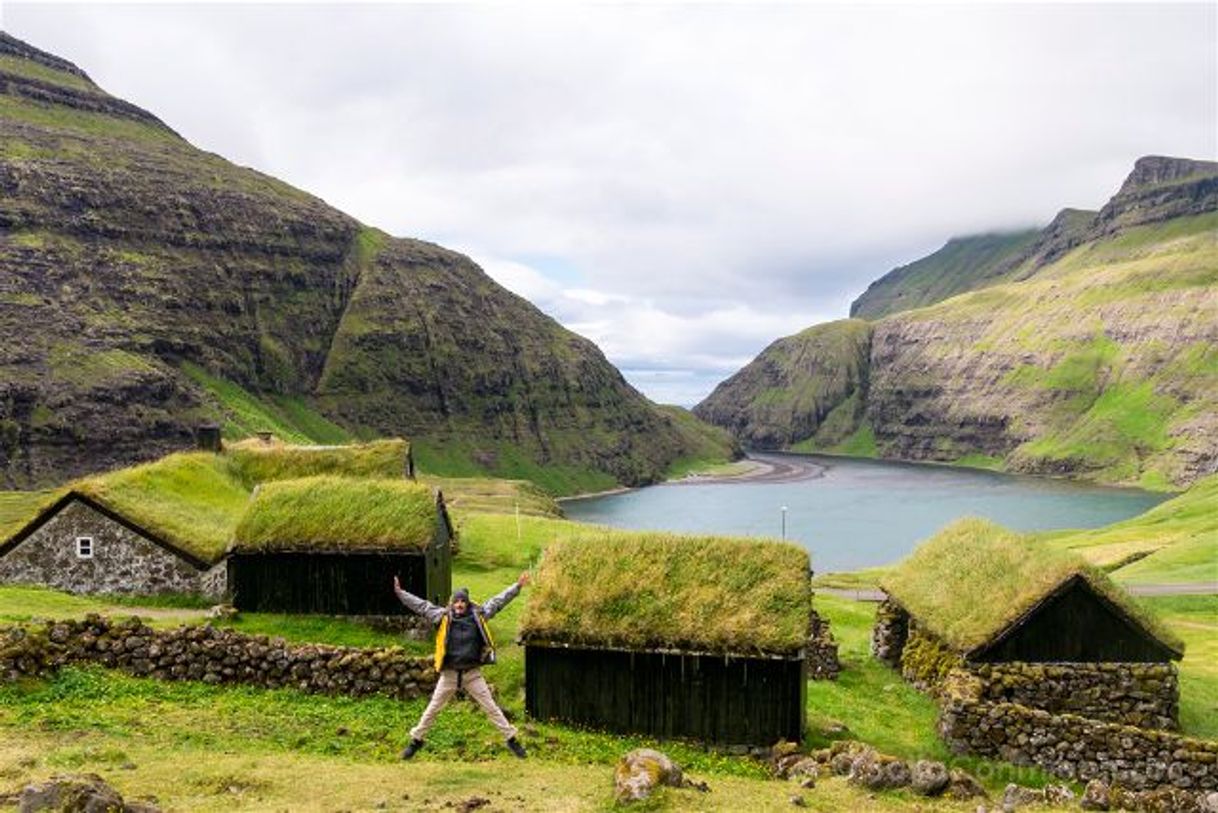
x: 47, y: 512
x: 975, y: 583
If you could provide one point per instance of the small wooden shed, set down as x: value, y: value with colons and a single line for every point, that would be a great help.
x: 332, y: 545
x: 670, y: 636
x: 993, y: 596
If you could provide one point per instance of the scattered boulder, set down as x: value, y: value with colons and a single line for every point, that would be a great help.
x: 1017, y: 796
x: 78, y: 793
x: 876, y: 771
x: 1209, y: 802
x: 1096, y: 796
x: 1058, y: 796
x: 929, y: 778
x: 798, y: 801
x: 963, y: 785
x: 643, y: 770
x: 222, y: 612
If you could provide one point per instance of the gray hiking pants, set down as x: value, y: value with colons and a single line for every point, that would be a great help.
x: 475, y: 686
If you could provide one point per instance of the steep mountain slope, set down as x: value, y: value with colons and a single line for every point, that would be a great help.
x: 808, y: 385
x: 146, y: 285
x: 1100, y: 360
x: 964, y: 264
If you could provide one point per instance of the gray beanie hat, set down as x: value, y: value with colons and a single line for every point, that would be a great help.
x: 460, y: 593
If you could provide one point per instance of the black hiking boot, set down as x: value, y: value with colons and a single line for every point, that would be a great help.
x: 516, y: 748
x: 412, y: 749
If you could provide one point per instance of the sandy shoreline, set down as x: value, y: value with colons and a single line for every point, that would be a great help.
x: 766, y: 468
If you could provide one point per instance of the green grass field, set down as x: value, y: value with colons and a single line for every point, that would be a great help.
x: 201, y: 747
x: 245, y: 746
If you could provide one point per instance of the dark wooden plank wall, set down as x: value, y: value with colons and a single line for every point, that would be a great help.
x: 330, y: 584
x: 439, y: 565
x: 1077, y: 626
x: 709, y: 698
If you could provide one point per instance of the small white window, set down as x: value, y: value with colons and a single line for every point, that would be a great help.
x: 84, y: 547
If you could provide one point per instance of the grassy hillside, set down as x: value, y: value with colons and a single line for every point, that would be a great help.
x: 963, y: 264
x: 808, y: 387
x: 150, y: 286
x: 1176, y: 541
x: 1102, y: 365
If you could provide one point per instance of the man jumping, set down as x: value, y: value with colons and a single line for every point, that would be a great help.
x: 463, y: 644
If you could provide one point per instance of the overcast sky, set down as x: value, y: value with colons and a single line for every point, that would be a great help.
x: 680, y: 184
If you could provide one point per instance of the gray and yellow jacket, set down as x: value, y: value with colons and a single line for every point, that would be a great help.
x: 438, y: 615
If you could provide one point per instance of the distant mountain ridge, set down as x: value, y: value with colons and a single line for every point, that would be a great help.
x: 1158, y: 189
x: 1089, y: 348
x: 146, y: 286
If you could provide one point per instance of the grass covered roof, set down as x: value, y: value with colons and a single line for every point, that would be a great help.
x: 190, y: 499
x: 256, y: 461
x: 338, y: 513
x: 195, y: 500
x: 663, y: 591
x: 972, y: 580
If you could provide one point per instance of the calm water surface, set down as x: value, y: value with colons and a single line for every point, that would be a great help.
x: 861, y: 513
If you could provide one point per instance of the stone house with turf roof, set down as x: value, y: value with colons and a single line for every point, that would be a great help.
x: 1031, y: 626
x: 79, y: 544
x: 671, y: 636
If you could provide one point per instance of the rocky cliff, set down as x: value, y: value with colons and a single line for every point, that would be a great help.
x: 146, y: 285
x: 1094, y: 355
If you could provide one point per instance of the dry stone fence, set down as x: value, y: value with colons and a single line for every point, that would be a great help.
x: 213, y: 655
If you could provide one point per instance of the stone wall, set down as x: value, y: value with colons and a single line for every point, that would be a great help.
x: 889, y: 633
x: 925, y: 660
x: 1140, y: 694
x: 213, y: 583
x: 213, y: 656
x: 821, y: 649
x: 1071, y: 746
x: 123, y: 561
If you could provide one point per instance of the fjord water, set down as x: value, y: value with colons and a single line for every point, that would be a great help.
x: 860, y: 513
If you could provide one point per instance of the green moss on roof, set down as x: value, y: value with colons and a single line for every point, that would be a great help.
x: 256, y: 461
x: 195, y: 500
x: 191, y: 500
x: 972, y: 580
x: 488, y: 495
x: 662, y: 591
x: 18, y: 507
x: 333, y: 513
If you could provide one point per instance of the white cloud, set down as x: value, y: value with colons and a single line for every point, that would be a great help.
x: 702, y: 178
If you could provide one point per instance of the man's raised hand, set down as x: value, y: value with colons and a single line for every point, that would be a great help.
x: 397, y: 585
x: 524, y: 579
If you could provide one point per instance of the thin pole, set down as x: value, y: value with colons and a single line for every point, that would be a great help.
x: 784, y: 522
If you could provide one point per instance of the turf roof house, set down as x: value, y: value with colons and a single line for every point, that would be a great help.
x: 1039, y: 627
x: 332, y: 545
x: 671, y: 637
x: 165, y: 526
x: 113, y: 535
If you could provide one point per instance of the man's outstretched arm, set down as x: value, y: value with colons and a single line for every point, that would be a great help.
x: 419, y: 606
x: 497, y: 603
